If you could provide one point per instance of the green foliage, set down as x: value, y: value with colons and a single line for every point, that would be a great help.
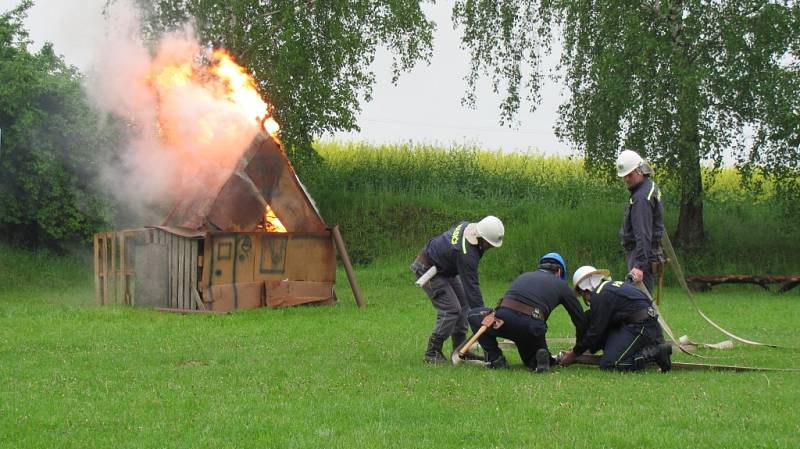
x: 42, y: 270
x: 311, y: 59
x: 389, y: 200
x: 466, y: 171
x: 50, y: 141
x: 392, y: 199
x: 679, y: 81
x: 77, y: 376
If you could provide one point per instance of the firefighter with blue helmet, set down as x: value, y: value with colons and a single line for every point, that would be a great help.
x: 521, y: 315
x: 555, y: 257
x: 621, y: 321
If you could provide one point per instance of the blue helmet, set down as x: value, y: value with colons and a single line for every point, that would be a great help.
x: 555, y: 257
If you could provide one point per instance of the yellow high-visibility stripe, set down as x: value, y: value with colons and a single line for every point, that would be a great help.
x: 601, y: 286
x: 464, y: 243
x: 629, y: 347
x: 652, y: 189
x: 454, y: 237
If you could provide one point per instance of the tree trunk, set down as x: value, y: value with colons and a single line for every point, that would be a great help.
x: 690, y: 221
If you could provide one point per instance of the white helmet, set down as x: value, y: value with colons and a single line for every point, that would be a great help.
x: 628, y: 161
x: 588, y: 277
x: 492, y: 230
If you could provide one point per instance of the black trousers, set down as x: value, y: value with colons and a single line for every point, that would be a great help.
x: 525, y: 331
x: 624, y: 343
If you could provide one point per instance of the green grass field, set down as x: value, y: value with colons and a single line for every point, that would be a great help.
x: 77, y: 375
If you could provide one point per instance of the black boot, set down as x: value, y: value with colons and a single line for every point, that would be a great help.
x: 663, y: 357
x: 458, y: 341
x: 660, y: 354
x: 499, y: 363
x: 434, y: 352
x: 542, y: 360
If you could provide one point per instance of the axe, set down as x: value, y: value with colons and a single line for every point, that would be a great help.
x: 488, y: 321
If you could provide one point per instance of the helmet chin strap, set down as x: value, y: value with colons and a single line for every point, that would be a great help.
x: 595, y: 280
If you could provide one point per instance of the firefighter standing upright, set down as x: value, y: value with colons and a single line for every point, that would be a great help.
x: 643, y: 224
x: 454, y: 289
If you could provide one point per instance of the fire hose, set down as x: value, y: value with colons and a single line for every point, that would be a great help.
x: 682, y: 280
x: 587, y: 359
x: 662, y: 321
x: 682, y: 342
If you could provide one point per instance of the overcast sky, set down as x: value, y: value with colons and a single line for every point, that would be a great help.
x: 424, y: 107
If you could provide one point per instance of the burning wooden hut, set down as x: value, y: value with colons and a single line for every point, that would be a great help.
x: 257, y: 240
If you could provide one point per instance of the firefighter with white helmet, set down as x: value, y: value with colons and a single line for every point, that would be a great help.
x: 621, y: 321
x: 643, y: 223
x: 447, y: 269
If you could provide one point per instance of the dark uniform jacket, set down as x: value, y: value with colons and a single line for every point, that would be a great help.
x: 542, y: 289
x: 613, y: 303
x: 643, y: 225
x: 454, y: 255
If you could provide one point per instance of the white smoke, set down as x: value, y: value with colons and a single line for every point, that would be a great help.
x: 184, y: 138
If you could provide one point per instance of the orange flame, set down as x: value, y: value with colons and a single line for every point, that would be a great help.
x: 271, y: 222
x: 241, y: 86
x: 222, y: 79
x: 174, y: 75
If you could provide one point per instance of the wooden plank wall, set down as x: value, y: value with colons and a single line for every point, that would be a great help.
x: 182, y: 270
x: 114, y: 270
x: 193, y: 287
x: 110, y: 269
x: 98, y: 286
x: 253, y: 257
x: 106, y: 296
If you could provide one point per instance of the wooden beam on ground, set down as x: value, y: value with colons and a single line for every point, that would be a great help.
x: 188, y: 311
x: 351, y: 276
x: 789, y: 284
x: 706, y: 282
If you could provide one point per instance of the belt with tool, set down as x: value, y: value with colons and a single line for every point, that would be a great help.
x: 521, y: 307
x: 423, y: 259
x: 427, y: 266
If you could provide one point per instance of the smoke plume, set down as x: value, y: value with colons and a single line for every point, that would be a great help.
x: 187, y: 129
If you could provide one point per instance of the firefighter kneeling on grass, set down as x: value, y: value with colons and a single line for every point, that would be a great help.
x: 447, y: 269
x: 522, y: 314
x: 621, y: 321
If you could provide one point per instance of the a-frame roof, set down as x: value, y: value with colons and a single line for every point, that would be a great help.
x: 264, y: 176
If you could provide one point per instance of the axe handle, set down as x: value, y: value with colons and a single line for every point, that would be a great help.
x: 471, y: 342
x: 426, y: 276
